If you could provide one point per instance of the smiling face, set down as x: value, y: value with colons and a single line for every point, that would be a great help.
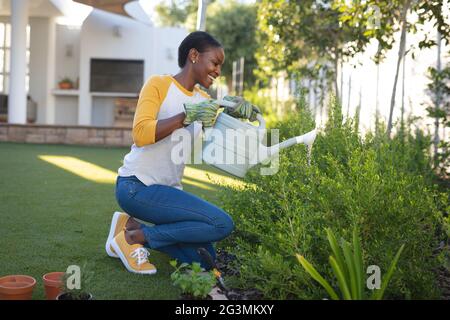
x: 207, y: 66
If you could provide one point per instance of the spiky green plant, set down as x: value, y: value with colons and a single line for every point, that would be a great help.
x: 347, y: 265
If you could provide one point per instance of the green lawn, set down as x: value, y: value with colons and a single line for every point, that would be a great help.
x: 54, y: 216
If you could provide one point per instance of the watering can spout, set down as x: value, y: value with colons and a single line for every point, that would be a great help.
x: 307, y: 139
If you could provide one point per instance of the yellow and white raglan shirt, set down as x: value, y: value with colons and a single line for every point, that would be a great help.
x: 161, y: 97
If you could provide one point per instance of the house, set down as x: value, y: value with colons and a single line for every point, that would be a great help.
x: 106, y: 55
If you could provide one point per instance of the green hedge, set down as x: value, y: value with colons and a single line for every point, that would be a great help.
x: 382, y: 186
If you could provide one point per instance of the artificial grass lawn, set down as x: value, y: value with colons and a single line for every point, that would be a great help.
x: 52, y: 218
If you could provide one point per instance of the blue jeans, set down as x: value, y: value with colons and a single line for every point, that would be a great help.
x: 182, y: 222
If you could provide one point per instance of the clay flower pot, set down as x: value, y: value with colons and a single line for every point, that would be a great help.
x: 65, y: 85
x: 52, y: 284
x: 16, y: 287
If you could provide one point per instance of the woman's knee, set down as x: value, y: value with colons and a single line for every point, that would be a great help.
x: 224, y: 224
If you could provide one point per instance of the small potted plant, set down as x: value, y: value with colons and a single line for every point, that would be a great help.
x: 65, y: 83
x: 195, y: 284
x: 82, y: 292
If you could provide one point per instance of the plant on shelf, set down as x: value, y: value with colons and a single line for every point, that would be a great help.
x: 76, y: 283
x: 195, y: 284
x: 66, y: 83
x: 347, y: 266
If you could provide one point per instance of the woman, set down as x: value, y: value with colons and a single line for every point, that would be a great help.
x: 149, y: 183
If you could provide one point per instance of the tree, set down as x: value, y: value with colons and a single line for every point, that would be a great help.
x: 179, y: 13
x: 304, y: 36
x: 234, y: 25
x: 230, y: 22
x: 401, y: 54
x: 392, y: 17
x: 175, y: 14
x: 439, y: 90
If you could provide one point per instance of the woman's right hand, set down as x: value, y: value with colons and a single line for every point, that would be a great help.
x: 205, y: 112
x: 242, y: 108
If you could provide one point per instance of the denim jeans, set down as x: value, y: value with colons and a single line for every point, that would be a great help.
x: 182, y: 222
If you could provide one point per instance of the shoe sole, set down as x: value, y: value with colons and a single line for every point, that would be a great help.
x: 111, y: 235
x: 125, y: 261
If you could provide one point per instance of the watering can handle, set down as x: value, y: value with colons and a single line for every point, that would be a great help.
x: 262, y: 122
x: 225, y: 103
x: 229, y: 104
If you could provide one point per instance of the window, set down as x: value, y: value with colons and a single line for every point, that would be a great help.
x: 5, y: 55
x: 116, y: 75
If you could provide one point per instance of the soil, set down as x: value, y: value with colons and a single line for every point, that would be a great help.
x: 444, y: 282
x: 443, y: 273
x: 189, y: 297
x: 224, y: 262
x: 67, y: 296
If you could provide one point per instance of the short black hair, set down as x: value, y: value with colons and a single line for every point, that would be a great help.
x: 199, y: 40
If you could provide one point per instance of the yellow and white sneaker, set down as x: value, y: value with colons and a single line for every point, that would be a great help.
x: 118, y: 223
x: 133, y: 256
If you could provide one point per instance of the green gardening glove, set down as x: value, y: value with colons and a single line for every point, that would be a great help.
x: 205, y: 112
x: 242, y: 109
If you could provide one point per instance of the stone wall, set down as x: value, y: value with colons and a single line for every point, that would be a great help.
x: 79, y: 135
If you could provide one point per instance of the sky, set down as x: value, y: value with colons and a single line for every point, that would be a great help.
x: 148, y: 5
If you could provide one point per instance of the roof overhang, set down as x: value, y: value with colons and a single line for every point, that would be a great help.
x: 113, y: 6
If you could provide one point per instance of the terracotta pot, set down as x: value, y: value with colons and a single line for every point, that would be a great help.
x: 65, y: 85
x: 16, y: 287
x: 52, y: 284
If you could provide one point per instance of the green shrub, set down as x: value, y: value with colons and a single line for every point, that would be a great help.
x: 380, y: 186
x: 258, y: 97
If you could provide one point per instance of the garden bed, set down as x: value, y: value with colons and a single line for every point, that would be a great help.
x: 444, y: 282
x: 383, y: 186
x: 226, y: 264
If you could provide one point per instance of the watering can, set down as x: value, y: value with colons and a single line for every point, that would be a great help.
x: 235, y: 146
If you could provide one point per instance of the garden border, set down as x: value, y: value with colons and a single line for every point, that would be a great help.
x: 70, y: 135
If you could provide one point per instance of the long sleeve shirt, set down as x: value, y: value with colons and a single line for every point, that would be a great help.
x: 153, y: 162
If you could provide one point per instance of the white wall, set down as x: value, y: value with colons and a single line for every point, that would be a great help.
x: 66, y: 110
x: 102, y: 111
x: 67, y: 54
x: 135, y: 41
x: 165, y: 43
x: 66, y: 64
